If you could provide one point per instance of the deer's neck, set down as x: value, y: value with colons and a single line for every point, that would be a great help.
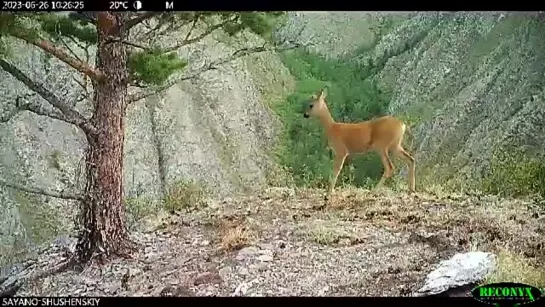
x: 326, y: 120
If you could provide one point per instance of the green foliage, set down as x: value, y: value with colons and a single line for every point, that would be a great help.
x: 154, y: 66
x: 139, y: 208
x: 8, y: 22
x: 513, y: 173
x: 351, y: 98
x: 58, y: 26
x: 185, y: 194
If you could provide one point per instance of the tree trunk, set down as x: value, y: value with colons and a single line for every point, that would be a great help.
x: 102, y: 217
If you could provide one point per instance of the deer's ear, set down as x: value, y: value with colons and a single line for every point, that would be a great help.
x: 323, y: 93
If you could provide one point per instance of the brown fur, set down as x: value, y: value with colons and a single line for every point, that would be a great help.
x: 383, y: 134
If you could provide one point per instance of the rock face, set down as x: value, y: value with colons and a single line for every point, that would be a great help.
x: 470, y: 82
x: 473, y: 82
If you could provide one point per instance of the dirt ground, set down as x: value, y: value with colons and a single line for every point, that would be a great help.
x: 281, y: 243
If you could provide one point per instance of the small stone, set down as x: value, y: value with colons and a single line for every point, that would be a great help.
x: 205, y: 243
x: 152, y: 257
x: 176, y: 291
x: 265, y: 258
x: 207, y: 278
x: 261, y: 267
x: 345, y: 242
x: 266, y: 252
x: 243, y: 271
x: 324, y: 290
x: 246, y: 253
x: 266, y: 246
x: 224, y: 272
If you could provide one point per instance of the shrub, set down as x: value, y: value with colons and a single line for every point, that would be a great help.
x: 185, y: 194
x: 513, y: 172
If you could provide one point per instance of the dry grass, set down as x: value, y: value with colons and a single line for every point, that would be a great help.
x: 327, y: 236
x: 513, y: 267
x: 184, y: 195
x: 234, y: 233
x: 235, y: 238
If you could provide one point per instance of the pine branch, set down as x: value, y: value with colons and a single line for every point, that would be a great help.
x: 39, y: 109
x: 189, y: 40
x: 140, y: 18
x: 62, y: 55
x: 41, y: 191
x: 69, y: 115
x: 211, y: 66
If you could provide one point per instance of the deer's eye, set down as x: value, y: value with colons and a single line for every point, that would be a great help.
x: 311, y: 105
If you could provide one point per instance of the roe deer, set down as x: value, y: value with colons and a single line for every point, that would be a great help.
x: 379, y: 134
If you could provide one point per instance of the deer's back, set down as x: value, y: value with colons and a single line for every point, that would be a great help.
x: 363, y: 136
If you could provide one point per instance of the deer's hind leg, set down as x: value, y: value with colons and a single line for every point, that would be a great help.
x: 410, y: 163
x: 388, y: 167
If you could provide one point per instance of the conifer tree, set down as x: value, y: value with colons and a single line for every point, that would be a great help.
x: 121, y: 61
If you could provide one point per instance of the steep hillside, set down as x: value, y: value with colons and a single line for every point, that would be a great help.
x: 470, y: 85
x: 473, y: 84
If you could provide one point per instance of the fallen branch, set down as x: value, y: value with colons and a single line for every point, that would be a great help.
x: 41, y: 191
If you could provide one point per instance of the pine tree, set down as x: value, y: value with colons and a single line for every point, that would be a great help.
x: 120, y: 63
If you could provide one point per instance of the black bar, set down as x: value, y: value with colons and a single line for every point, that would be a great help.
x: 82, y: 5
x: 240, y: 301
x: 261, y: 5
x: 130, y: 5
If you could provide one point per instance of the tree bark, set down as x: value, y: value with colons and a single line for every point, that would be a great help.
x: 102, y: 217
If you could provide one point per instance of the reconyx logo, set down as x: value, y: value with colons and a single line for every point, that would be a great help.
x: 510, y: 294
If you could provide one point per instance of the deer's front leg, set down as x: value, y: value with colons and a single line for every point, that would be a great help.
x: 337, y: 167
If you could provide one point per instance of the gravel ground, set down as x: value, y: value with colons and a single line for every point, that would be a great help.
x: 282, y: 243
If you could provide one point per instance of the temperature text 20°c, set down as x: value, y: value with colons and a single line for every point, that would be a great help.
x: 118, y: 5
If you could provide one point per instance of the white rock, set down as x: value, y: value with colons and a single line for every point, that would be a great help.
x: 460, y: 270
x: 265, y: 258
x: 246, y: 253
